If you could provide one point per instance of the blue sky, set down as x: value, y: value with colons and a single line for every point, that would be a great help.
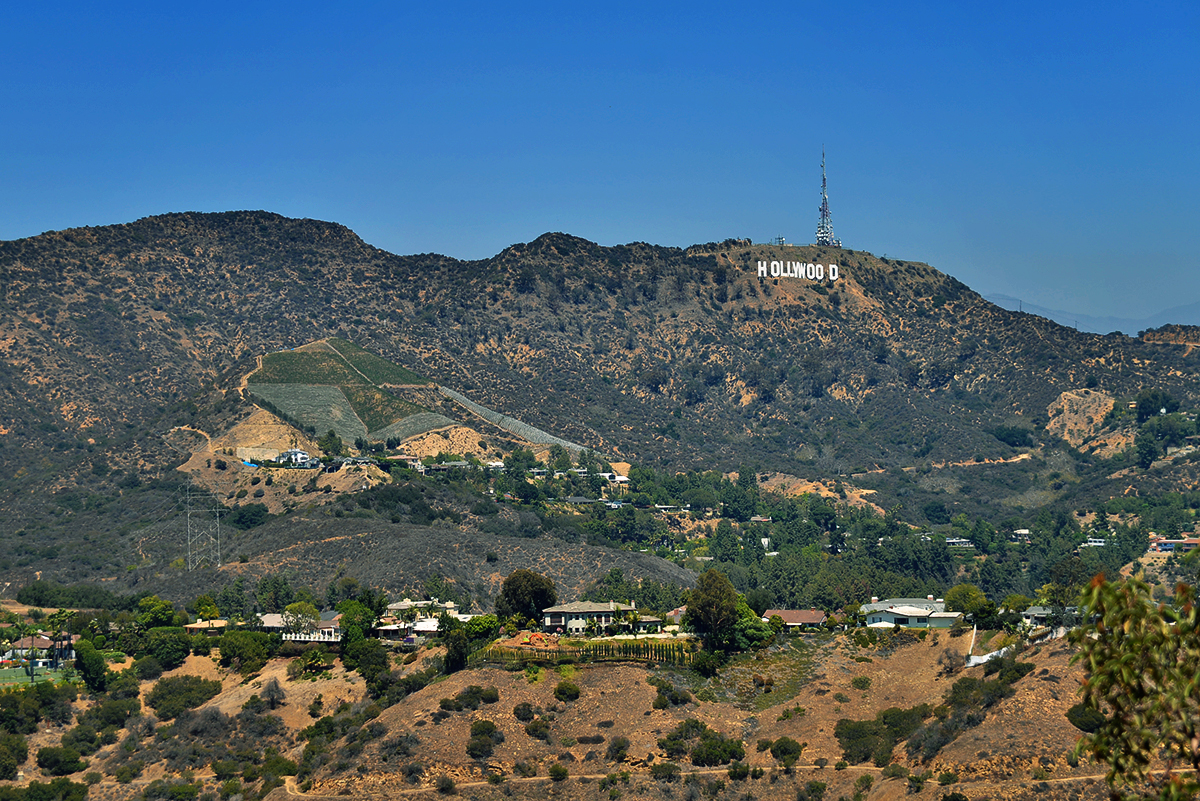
x: 1044, y: 151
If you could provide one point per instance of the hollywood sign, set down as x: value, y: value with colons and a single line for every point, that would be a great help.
x: 797, y: 269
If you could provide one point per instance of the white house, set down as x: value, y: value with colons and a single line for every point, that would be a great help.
x: 917, y: 613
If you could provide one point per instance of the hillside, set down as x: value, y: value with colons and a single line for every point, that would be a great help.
x: 368, y: 746
x: 122, y: 346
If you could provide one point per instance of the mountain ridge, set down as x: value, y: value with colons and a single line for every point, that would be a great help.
x: 112, y: 337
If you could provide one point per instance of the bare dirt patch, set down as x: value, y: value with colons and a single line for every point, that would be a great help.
x: 1077, y: 414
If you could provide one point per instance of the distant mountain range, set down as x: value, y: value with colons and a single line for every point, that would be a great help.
x: 1188, y: 314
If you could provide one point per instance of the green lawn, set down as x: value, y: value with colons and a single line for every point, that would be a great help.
x: 10, y: 676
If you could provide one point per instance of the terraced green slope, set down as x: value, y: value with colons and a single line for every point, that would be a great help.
x: 336, y: 385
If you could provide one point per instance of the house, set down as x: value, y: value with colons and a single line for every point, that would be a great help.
x: 927, y: 603
x: 423, y: 609
x: 916, y: 613
x: 912, y: 617
x: 574, y: 618
x: 46, y: 650
x: 327, y: 629
x: 1037, y: 615
x: 1164, y: 545
x: 797, y: 619
x: 213, y: 628
x: 294, y: 457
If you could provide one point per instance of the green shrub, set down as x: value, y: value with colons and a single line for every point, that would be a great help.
x: 861, y: 682
x: 665, y: 771
x: 538, y: 729
x: 526, y: 770
x: 1085, y: 718
x: 618, y: 749
x: 715, y: 748
x: 895, y: 771
x: 129, y: 771
x: 523, y: 712
x: 786, y: 751
x: 813, y: 791
x: 83, y: 738
x: 566, y: 691
x: 947, y: 777
x: 483, y: 727
x: 480, y: 747
x: 173, y: 695
x: 60, y: 761
x: 445, y: 785
x: 738, y: 771
x: 558, y: 772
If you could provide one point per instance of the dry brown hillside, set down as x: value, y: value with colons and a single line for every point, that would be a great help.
x: 1020, y: 750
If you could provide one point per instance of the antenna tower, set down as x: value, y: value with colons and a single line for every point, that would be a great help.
x: 825, y: 226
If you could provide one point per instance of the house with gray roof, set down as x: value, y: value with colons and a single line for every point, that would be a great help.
x: 573, y: 618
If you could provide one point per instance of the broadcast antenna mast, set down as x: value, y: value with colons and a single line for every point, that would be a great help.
x: 825, y: 226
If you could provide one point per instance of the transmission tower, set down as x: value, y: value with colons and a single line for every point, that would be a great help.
x: 203, y: 533
x: 825, y: 225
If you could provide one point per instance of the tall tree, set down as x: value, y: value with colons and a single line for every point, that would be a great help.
x: 712, y: 610
x: 525, y: 593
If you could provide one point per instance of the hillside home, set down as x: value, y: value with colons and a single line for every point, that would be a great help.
x: 573, y: 618
x: 212, y: 628
x: 294, y: 457
x: 917, y: 613
x: 912, y: 617
x: 327, y: 629
x: 46, y: 650
x: 1164, y: 545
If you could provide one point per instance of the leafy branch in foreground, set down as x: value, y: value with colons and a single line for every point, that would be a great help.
x: 1143, y: 663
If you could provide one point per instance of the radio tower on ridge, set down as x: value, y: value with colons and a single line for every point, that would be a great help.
x: 825, y: 226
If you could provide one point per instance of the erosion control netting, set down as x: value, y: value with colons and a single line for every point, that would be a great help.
x: 509, y: 424
x: 411, y: 426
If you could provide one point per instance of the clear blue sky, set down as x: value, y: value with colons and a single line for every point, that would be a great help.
x: 1043, y: 150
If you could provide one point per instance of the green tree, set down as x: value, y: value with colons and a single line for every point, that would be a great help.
x: 1151, y: 402
x: 520, y: 462
x: 91, y: 665
x: 300, y: 616
x: 357, y: 620
x: 458, y: 648
x: 1146, y: 449
x: 331, y: 443
x: 712, y: 609
x: 154, y: 612
x: 525, y: 593
x: 560, y: 459
x: 206, y: 608
x: 1143, y: 664
x: 965, y: 598
x: 724, y: 545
